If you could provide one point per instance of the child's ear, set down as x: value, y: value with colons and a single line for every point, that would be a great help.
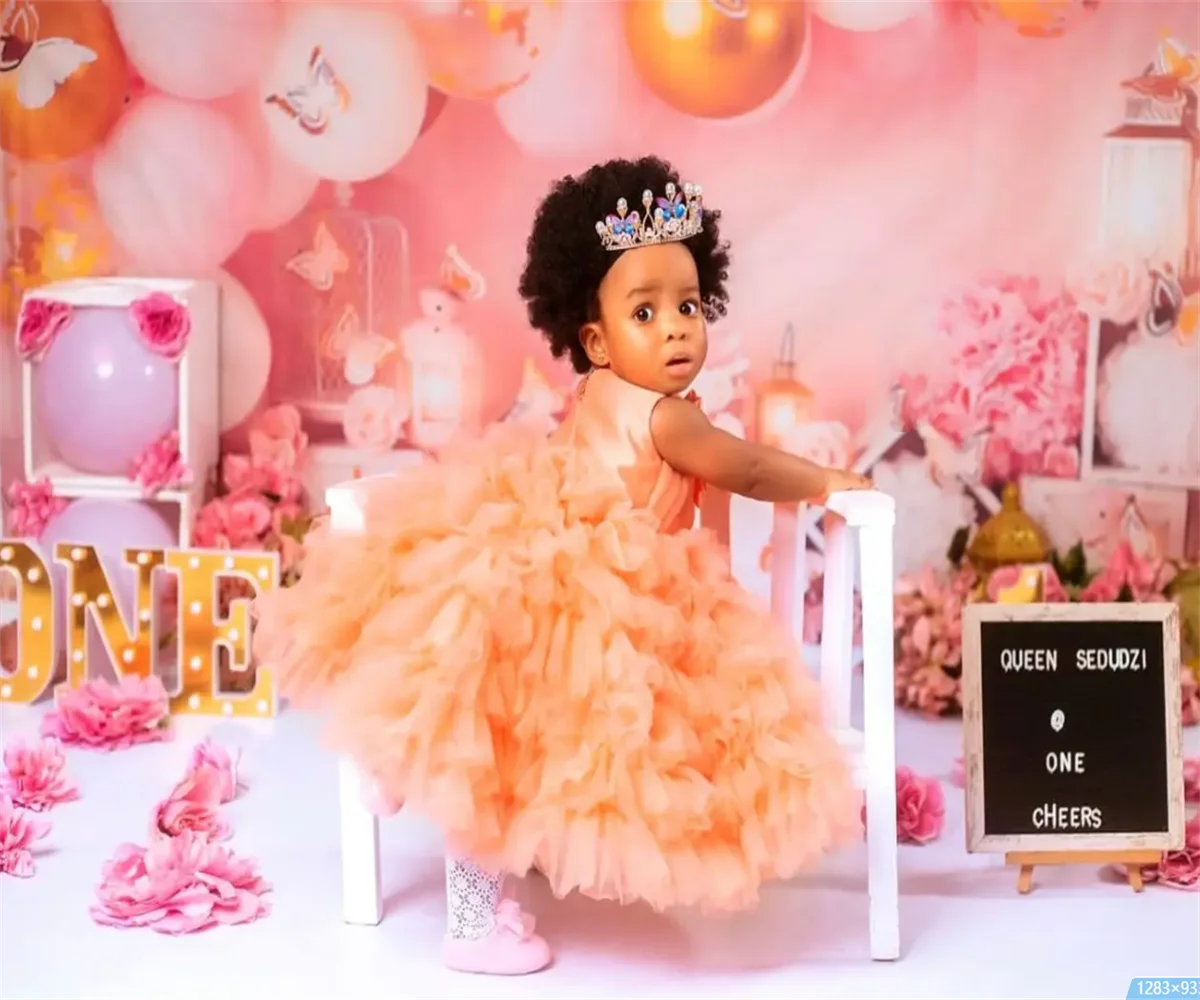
x: 592, y: 339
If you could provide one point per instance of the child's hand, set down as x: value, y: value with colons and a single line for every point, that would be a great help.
x: 837, y: 480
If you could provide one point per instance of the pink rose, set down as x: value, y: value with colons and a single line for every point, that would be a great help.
x: 33, y: 775
x: 193, y: 806
x: 41, y: 320
x: 179, y: 885
x: 160, y: 466
x: 163, y: 323
x: 372, y: 418
x: 232, y: 522
x: 277, y: 438
x: 210, y: 754
x: 19, y: 831
x: 31, y: 507
x: 104, y: 716
x: 920, y: 808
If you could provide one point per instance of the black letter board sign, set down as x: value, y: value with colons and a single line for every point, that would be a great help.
x: 1071, y: 724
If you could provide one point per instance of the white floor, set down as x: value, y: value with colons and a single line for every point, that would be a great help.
x: 966, y: 932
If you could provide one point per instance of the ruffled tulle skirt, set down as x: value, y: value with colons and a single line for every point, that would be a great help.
x: 520, y: 655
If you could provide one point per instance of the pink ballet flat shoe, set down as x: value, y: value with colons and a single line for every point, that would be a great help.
x: 379, y: 802
x: 511, y: 949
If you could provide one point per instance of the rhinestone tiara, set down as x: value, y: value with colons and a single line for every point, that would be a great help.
x: 662, y: 220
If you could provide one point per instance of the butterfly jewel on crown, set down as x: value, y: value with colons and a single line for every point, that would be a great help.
x: 40, y: 66
x: 313, y: 104
x: 320, y: 265
x: 360, y: 351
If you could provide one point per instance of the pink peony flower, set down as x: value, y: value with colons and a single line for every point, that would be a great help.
x: 372, y: 418
x: 210, y: 754
x: 920, y: 808
x: 232, y: 522
x: 31, y: 507
x: 105, y: 716
x: 243, y: 475
x: 160, y: 466
x: 277, y: 438
x: 1005, y: 577
x: 33, y: 775
x: 1191, y: 779
x: 1016, y: 375
x: 41, y: 320
x: 179, y: 885
x: 193, y: 807
x: 1115, y: 291
x: 19, y: 831
x: 163, y: 323
x: 1145, y: 579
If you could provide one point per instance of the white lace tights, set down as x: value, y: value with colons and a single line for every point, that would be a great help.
x: 472, y: 896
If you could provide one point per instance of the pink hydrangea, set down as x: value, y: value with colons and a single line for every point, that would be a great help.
x: 160, y: 466
x: 31, y: 507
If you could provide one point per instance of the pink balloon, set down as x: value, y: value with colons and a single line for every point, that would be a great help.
x: 100, y: 395
x: 198, y: 49
x: 583, y: 95
x: 111, y: 526
x: 177, y: 185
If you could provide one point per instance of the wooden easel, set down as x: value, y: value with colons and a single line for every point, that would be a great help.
x: 1028, y: 860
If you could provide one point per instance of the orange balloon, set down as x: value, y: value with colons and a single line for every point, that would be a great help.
x: 479, y: 49
x: 716, y: 58
x: 45, y: 120
x: 1036, y: 18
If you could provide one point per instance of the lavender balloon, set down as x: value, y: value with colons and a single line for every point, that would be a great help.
x: 111, y: 526
x: 101, y: 395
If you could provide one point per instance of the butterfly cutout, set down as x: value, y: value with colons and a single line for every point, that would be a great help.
x: 41, y: 66
x: 314, y: 103
x: 359, y: 351
x: 1170, y: 310
x: 320, y: 265
x: 949, y: 463
x: 459, y: 278
x: 1174, y: 60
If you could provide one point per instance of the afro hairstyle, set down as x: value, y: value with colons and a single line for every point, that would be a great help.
x: 565, y: 260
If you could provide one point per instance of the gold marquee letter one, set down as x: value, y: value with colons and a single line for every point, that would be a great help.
x: 130, y: 650
x: 35, y: 628
x: 200, y: 632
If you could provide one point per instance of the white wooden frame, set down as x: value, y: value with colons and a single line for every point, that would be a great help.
x: 199, y: 410
x: 868, y: 515
x: 1163, y: 613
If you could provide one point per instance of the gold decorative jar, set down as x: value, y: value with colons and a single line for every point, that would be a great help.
x: 1009, y: 537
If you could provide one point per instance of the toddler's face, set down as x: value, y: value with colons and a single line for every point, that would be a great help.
x: 651, y: 330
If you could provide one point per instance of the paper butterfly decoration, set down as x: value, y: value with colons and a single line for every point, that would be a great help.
x: 313, y: 104
x: 1170, y: 310
x: 459, y: 278
x: 359, y: 351
x: 320, y: 265
x: 41, y: 66
x: 948, y: 462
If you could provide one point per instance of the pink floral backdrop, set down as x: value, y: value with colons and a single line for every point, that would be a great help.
x: 914, y: 189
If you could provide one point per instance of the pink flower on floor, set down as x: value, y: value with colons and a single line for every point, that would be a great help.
x: 210, y: 754
x: 179, y: 885
x: 920, y: 808
x: 160, y: 466
x: 1178, y: 869
x: 1191, y: 779
x: 164, y: 324
x: 19, y: 831
x: 277, y: 438
x: 33, y: 775
x: 41, y: 320
x: 105, y: 716
x: 31, y: 507
x: 193, y: 807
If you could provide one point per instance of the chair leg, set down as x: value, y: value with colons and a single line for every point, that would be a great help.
x: 362, y: 889
x: 837, y: 620
x: 879, y: 736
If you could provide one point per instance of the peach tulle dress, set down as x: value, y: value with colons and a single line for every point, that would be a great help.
x: 531, y: 646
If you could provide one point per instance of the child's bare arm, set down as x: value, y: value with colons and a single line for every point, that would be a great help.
x: 694, y: 447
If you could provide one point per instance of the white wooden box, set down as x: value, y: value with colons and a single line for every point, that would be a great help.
x: 199, y: 391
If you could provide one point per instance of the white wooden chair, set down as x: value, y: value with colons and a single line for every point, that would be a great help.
x: 872, y: 516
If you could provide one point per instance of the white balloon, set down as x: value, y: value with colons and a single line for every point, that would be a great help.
x: 867, y: 15
x: 344, y: 95
x: 245, y: 351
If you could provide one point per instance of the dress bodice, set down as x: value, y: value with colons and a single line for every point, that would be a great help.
x: 609, y: 427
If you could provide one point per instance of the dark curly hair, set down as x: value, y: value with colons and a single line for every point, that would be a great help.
x: 565, y: 261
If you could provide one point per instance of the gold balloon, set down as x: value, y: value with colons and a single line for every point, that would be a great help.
x: 58, y: 111
x: 716, y: 58
x: 1035, y: 18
